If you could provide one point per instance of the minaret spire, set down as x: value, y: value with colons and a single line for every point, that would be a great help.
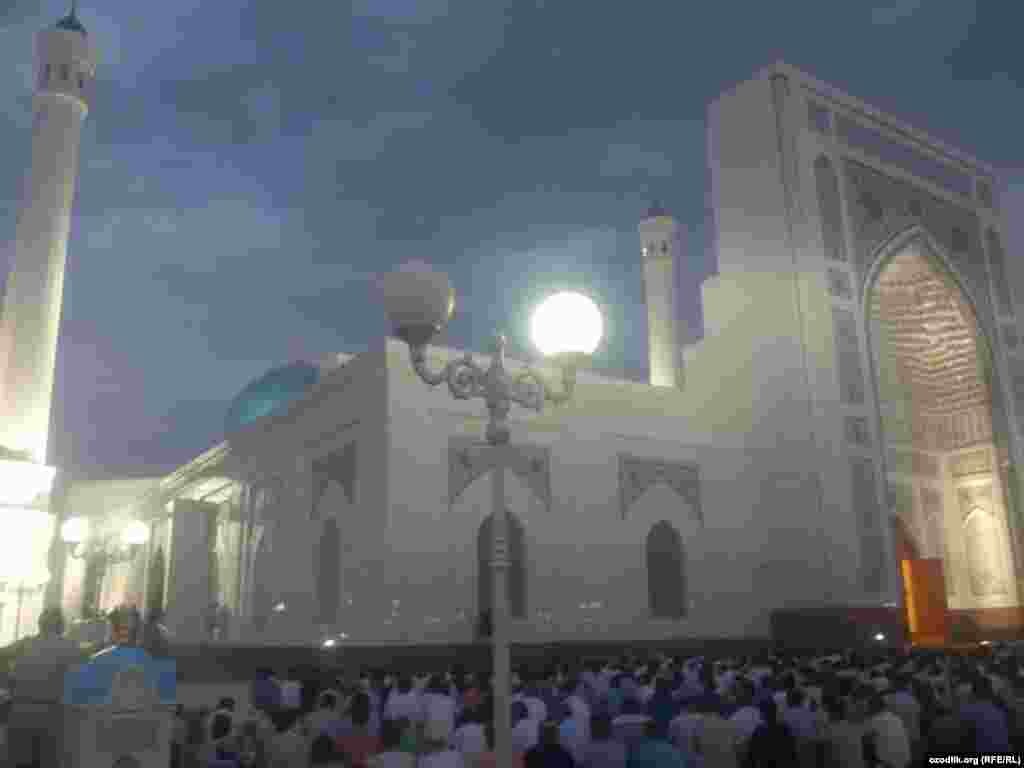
x: 30, y: 321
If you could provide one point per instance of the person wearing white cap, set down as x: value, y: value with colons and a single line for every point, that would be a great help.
x: 437, y: 752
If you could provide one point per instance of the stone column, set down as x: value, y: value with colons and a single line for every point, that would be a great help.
x: 293, y: 555
x: 189, y: 594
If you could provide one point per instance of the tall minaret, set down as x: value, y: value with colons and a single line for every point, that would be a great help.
x: 65, y: 65
x: 659, y: 239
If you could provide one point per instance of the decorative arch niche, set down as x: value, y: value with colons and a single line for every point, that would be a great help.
x: 937, y: 393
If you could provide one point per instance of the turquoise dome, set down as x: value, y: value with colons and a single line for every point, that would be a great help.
x: 270, y: 393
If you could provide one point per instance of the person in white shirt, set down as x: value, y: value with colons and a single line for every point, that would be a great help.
x: 534, y: 704
x: 580, y: 711
x: 438, y: 754
x: 437, y: 705
x: 747, y: 717
x: 887, y: 734
x: 683, y: 727
x: 525, y: 729
x: 902, y: 703
x: 470, y: 738
x: 404, y: 701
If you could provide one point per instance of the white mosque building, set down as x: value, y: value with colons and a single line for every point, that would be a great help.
x: 853, y: 403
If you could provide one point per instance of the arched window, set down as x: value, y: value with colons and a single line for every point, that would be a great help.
x: 328, y: 573
x: 516, y: 579
x: 666, y: 572
x: 827, y: 184
x: 997, y: 266
x: 155, y: 583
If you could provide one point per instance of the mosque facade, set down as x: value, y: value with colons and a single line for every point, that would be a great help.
x: 857, y: 400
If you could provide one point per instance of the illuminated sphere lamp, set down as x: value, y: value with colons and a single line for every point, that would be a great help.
x: 135, y: 533
x: 75, y: 530
x: 566, y: 327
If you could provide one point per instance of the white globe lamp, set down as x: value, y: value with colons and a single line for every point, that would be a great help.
x: 75, y: 530
x: 135, y: 533
x: 418, y: 301
x: 566, y: 327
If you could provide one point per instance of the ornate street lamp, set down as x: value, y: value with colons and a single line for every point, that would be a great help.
x: 108, y: 547
x: 566, y: 328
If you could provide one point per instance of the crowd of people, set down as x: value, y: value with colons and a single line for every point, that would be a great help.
x: 846, y: 710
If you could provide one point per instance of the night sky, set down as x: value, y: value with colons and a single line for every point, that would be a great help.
x: 248, y: 168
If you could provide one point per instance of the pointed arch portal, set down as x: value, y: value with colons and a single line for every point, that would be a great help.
x: 940, y: 415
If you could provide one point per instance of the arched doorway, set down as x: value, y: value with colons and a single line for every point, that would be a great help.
x: 666, y: 572
x: 941, y: 422
x: 516, y: 578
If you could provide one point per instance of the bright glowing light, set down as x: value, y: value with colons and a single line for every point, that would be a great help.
x: 566, y: 323
x: 330, y: 642
x: 280, y: 608
x: 135, y: 533
x: 22, y: 482
x: 879, y: 637
x: 75, y: 530
x: 985, y: 642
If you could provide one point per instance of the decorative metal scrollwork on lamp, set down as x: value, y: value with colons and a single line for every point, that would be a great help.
x: 566, y: 329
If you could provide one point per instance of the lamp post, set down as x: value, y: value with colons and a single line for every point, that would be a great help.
x: 109, y: 547
x: 566, y: 328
